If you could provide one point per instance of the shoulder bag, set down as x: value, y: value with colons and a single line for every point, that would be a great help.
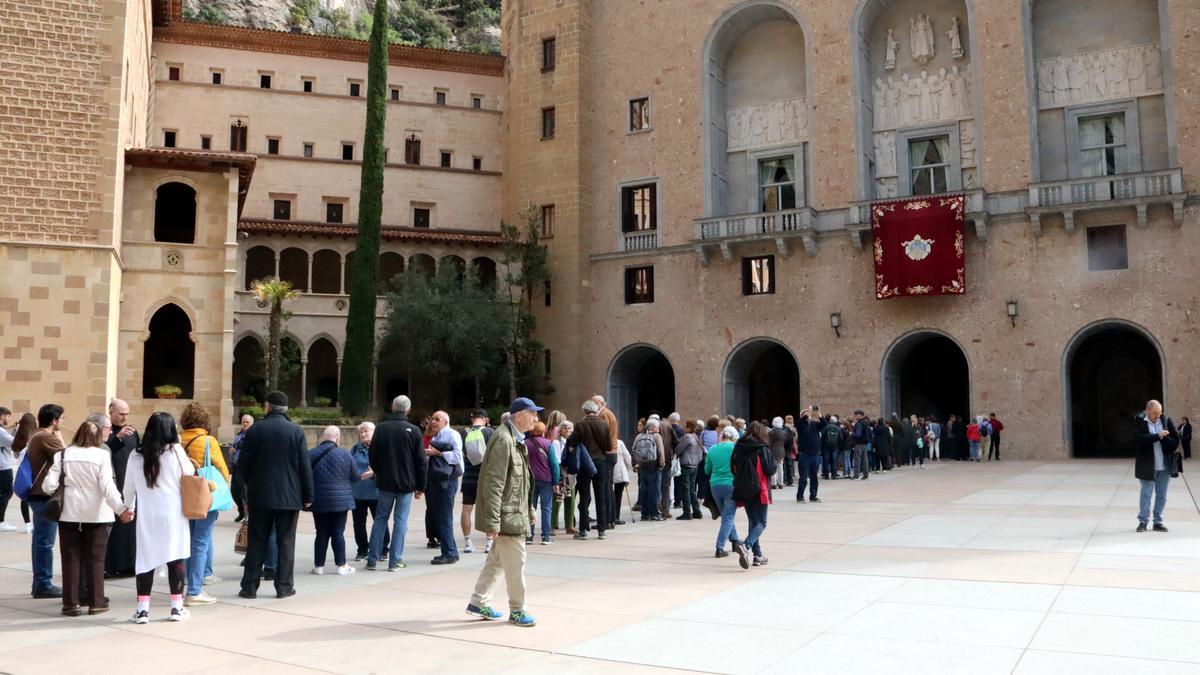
x: 195, y: 497
x: 222, y: 498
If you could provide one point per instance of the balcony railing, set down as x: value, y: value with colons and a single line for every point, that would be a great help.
x: 641, y: 240
x: 973, y: 205
x: 780, y: 226
x: 1139, y: 190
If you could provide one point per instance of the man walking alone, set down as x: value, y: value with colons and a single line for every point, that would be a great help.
x: 1155, y: 441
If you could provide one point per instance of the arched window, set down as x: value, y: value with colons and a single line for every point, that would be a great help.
x: 169, y: 355
x: 424, y: 263
x: 249, y: 362
x: 391, y: 265
x: 260, y: 264
x: 175, y: 214
x: 485, y: 269
x: 293, y: 267
x: 455, y: 263
x: 326, y: 272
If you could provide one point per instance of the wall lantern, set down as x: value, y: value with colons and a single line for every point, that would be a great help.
x: 835, y: 320
x: 1013, y: 312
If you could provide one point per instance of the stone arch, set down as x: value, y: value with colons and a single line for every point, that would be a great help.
x: 423, y: 263
x: 391, y: 265
x: 640, y: 379
x: 293, y: 267
x: 486, y: 271
x: 326, y: 272
x: 249, y: 361
x: 724, y: 36
x: 457, y: 263
x: 322, y: 369
x: 260, y: 264
x: 761, y: 380
x: 169, y: 354
x: 1096, y: 418
x: 904, y: 384
x: 175, y: 207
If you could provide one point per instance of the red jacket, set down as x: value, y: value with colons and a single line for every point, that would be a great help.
x: 973, y: 432
x: 997, y: 425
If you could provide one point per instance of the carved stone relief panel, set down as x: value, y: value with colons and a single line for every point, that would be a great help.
x: 885, y: 153
x: 921, y: 99
x: 886, y: 188
x: 1104, y: 75
x: 966, y: 140
x: 767, y: 124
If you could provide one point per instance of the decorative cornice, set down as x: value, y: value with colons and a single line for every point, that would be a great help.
x: 323, y: 47
x: 350, y: 230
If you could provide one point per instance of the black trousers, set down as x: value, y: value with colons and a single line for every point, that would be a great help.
x: 260, y: 523
x: 82, y: 546
x: 595, y: 485
x: 994, y: 448
x: 6, y: 490
x: 176, y: 578
x: 237, y: 488
x: 362, y: 534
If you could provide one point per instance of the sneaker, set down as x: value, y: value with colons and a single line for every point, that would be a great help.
x: 346, y: 569
x: 487, y: 546
x: 360, y: 557
x: 686, y: 516
x: 370, y: 565
x: 814, y: 500
x: 140, y: 616
x: 486, y: 613
x: 179, y: 614
x: 529, y: 539
x: 601, y: 535
x: 212, y: 579
x: 743, y: 559
x: 1159, y: 527
x: 432, y: 544
x: 580, y: 535
x: 468, y: 547
x: 318, y: 571
x: 240, y: 518
x: 799, y: 500
x: 760, y: 562
x: 546, y: 541
x: 1141, y: 527
x: 200, y: 599
x: 522, y: 619
x: 52, y: 593
x: 5, y: 527
x: 400, y: 565
x: 722, y: 553
x: 444, y: 560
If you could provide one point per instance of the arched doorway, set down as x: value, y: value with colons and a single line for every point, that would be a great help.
x: 169, y: 355
x: 391, y: 265
x: 1111, y: 369
x: 175, y: 214
x: 322, y: 373
x: 640, y: 380
x: 290, y: 352
x: 249, y: 367
x: 762, y: 380
x: 926, y: 373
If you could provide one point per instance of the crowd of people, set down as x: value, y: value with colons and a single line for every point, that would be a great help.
x: 112, y: 496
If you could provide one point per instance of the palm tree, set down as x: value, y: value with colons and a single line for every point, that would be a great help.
x: 273, y: 292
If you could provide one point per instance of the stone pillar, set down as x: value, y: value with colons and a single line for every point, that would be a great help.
x: 303, y: 381
x: 308, y: 257
x: 341, y: 279
x: 276, y: 264
x: 339, y: 381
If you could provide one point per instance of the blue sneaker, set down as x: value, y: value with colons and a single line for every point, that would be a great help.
x: 485, y: 613
x: 522, y: 619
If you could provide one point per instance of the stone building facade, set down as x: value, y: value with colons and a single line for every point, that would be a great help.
x: 703, y: 168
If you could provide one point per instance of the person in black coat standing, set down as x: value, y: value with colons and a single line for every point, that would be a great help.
x: 1155, y: 441
x: 397, y: 457
x: 279, y: 482
x: 123, y: 441
x: 1185, y: 437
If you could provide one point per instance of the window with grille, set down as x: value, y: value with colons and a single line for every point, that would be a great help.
x: 333, y: 212
x: 283, y: 209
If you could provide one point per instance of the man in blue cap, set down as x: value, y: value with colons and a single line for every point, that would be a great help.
x: 502, y: 509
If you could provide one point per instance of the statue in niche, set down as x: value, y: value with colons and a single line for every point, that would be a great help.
x: 922, y: 39
x: 1077, y: 77
x: 894, y: 95
x: 966, y: 141
x: 889, y: 60
x: 885, y: 154
x: 880, y: 101
x: 1045, y: 73
x: 956, y: 48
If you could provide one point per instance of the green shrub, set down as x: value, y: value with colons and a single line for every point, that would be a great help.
x: 322, y: 402
x: 254, y: 411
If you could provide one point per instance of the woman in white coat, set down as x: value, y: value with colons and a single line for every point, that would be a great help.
x: 152, y: 490
x: 621, y: 476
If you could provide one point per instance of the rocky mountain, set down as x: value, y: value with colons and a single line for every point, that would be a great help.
x: 467, y: 25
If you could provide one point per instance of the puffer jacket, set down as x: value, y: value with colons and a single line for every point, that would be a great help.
x: 195, y: 450
x: 333, y: 478
x: 689, y: 451
x: 502, y: 499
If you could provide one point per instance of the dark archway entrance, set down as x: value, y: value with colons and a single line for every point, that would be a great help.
x: 640, y: 380
x: 762, y: 380
x: 1112, y: 369
x: 169, y: 355
x: 249, y: 359
x: 926, y: 373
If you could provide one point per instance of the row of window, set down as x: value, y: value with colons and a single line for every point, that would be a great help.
x: 308, y: 85
x: 639, y: 117
x: 335, y: 211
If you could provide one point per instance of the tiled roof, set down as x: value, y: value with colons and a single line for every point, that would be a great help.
x: 347, y: 231
x: 197, y: 160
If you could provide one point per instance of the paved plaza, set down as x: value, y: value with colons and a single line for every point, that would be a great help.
x: 1026, y: 567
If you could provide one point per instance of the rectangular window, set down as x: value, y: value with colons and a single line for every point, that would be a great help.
x: 355, y: 88
x: 546, y: 291
x: 1102, y: 145
x: 347, y: 151
x: 477, y: 102
x: 547, y: 221
x: 440, y: 97
x: 385, y: 155
x: 1107, y: 248
x: 283, y: 209
x: 639, y: 210
x: 306, y: 84
x: 547, y: 123
x: 421, y: 217
x: 238, y: 133
x: 548, y: 54
x: 639, y: 114
x: 169, y: 139
x: 758, y: 275
x: 308, y: 149
x: 333, y: 212
x: 272, y: 146
x: 546, y: 362
x: 639, y: 285
x: 445, y: 160
x: 477, y: 163
x: 173, y: 73
x: 264, y: 80
x: 777, y: 183
x: 216, y: 77
x: 412, y: 150
x: 206, y: 142
x: 929, y: 164
x: 395, y: 93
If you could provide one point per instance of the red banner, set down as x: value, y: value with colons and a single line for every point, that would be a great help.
x: 919, y: 247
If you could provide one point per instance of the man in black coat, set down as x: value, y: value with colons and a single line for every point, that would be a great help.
x: 1154, y: 443
x: 278, y: 474
x: 122, y: 442
x: 398, y: 459
x: 808, y: 452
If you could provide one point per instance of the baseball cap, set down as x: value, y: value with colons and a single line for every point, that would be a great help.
x: 479, y: 414
x: 523, y: 403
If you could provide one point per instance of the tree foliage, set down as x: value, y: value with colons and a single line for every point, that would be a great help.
x: 274, y: 293
x: 527, y: 268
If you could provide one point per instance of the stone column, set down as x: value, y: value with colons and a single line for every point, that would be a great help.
x: 276, y: 264
x: 303, y: 381
x: 341, y: 278
x: 308, y: 257
x: 339, y: 381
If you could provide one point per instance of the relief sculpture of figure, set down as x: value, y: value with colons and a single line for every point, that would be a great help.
x: 926, y: 99
x: 1045, y: 73
x: 1154, y: 74
x: 1062, y: 83
x: 1099, y: 80
x: 889, y: 60
x: 912, y: 100
x: 1077, y: 76
x: 922, y: 39
x: 935, y: 86
x: 891, y: 116
x: 1137, y: 70
x: 880, y: 104
x: 1118, y: 74
x: 956, y: 48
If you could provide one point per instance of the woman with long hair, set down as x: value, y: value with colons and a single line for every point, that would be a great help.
x: 545, y: 477
x: 26, y: 428
x: 753, y: 467
x: 566, y: 492
x: 90, y: 499
x: 152, y: 490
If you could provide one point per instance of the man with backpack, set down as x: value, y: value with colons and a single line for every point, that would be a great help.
x: 593, y: 433
x: 831, y: 445
x: 475, y: 440
x: 648, y: 458
x: 985, y: 437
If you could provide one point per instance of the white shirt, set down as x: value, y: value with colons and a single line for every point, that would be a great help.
x: 1155, y: 428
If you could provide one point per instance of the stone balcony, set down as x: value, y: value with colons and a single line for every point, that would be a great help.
x: 782, y: 227
x: 1138, y: 190
x: 641, y: 240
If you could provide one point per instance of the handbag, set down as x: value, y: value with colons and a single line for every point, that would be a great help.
x: 222, y: 497
x: 241, y: 542
x: 194, y: 496
x: 54, y: 506
x: 676, y: 468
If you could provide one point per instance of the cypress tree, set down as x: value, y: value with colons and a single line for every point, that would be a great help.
x: 355, y: 394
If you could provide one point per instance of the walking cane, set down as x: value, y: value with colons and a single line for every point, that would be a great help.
x: 629, y: 501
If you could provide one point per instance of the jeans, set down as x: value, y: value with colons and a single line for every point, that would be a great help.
x: 862, y: 461
x: 202, y: 533
x: 935, y: 449
x: 362, y: 536
x: 331, y: 529
x: 1159, y: 487
x: 691, y: 505
x: 723, y: 494
x: 828, y: 466
x: 402, y: 502
x: 809, y: 466
x: 757, y: 515
x: 6, y: 490
x: 543, y: 499
x: 648, y: 480
x: 441, y: 505
x: 846, y: 467
x: 44, y: 534
x: 975, y: 450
